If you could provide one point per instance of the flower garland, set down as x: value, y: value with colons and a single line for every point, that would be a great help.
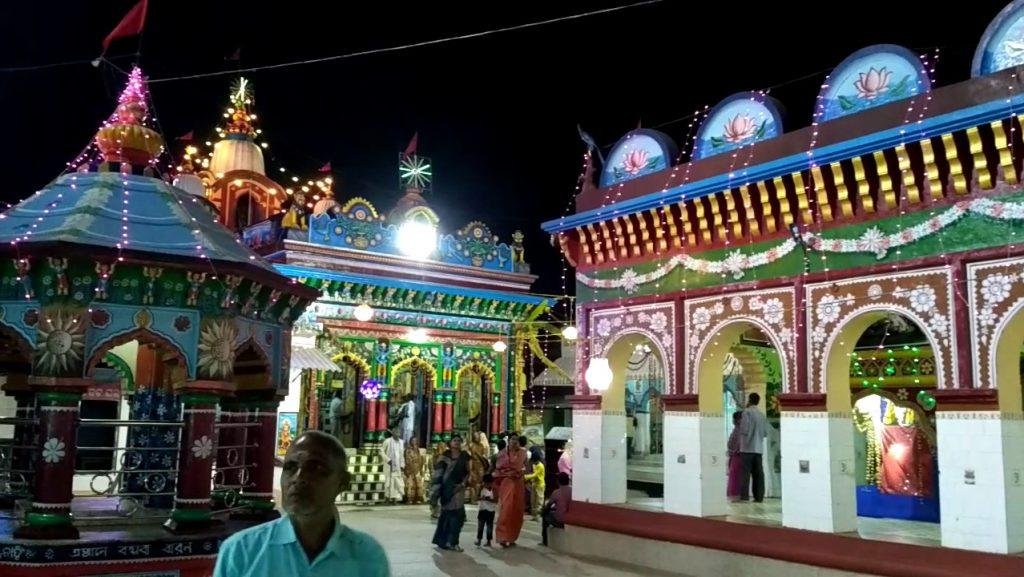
x: 872, y: 240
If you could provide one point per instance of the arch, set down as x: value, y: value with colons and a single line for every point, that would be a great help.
x: 919, y: 413
x: 614, y: 399
x: 21, y: 345
x: 430, y: 370
x: 355, y: 360
x: 144, y: 336
x: 121, y: 366
x: 835, y: 365
x: 1004, y: 359
x: 484, y: 370
x: 707, y: 373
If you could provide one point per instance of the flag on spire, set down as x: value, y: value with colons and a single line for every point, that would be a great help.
x: 411, y: 149
x: 130, y: 25
x: 326, y: 167
x: 187, y: 137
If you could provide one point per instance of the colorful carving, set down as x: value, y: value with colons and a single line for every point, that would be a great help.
x: 22, y: 266
x: 739, y: 120
x: 871, y: 77
x: 60, y: 270
x: 151, y: 273
x: 195, y: 283
x: 103, y: 273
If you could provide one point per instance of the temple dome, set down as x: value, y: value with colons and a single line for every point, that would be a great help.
x: 191, y: 184
x: 236, y: 152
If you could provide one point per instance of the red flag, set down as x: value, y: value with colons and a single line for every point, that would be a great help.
x: 186, y: 137
x: 130, y: 25
x: 411, y: 149
x: 326, y: 167
x: 237, y: 55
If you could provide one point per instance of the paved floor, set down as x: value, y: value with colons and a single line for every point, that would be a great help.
x: 406, y: 531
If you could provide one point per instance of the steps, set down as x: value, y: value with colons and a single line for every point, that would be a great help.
x: 367, y: 470
x: 646, y: 469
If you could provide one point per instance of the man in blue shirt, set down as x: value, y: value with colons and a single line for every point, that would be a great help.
x: 753, y: 430
x: 309, y: 541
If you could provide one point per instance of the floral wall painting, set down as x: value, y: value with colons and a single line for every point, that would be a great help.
x: 739, y: 120
x: 640, y: 152
x: 871, y: 77
x: 287, y: 429
x: 1002, y: 45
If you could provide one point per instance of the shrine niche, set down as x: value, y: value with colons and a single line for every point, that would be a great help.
x: 656, y: 322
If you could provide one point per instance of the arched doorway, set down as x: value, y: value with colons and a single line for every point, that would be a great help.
x: 345, y: 385
x: 890, y: 364
x: 474, y: 386
x: 638, y: 369
x: 415, y: 378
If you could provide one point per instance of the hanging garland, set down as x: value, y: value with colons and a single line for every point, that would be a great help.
x: 872, y: 240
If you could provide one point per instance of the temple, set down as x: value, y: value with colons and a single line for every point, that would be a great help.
x: 861, y: 274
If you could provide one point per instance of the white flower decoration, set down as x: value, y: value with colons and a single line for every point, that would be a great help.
x: 628, y: 281
x: 996, y: 288
x: 873, y: 240
x: 53, y: 450
x: 735, y: 263
x: 736, y: 303
x: 902, y: 394
x: 702, y: 318
x: 604, y: 327
x: 875, y: 292
x: 202, y: 448
x: 786, y: 336
x: 828, y: 309
x: 772, y: 311
x: 659, y: 321
x: 922, y: 298
x: 939, y: 325
x: 986, y: 317
x: 818, y: 336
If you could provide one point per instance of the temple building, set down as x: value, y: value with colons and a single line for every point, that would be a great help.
x: 862, y: 275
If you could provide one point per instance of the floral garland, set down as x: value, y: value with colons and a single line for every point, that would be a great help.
x: 872, y: 240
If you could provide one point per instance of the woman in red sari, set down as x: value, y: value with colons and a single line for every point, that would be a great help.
x: 511, y: 492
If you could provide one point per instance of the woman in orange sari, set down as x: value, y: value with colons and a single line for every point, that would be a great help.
x: 511, y: 492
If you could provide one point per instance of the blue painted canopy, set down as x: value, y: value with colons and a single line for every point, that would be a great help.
x: 1002, y: 45
x: 93, y: 209
x: 871, y: 77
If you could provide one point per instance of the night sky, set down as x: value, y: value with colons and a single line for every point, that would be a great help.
x: 497, y: 114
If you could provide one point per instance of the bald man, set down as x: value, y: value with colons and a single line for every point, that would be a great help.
x: 309, y: 540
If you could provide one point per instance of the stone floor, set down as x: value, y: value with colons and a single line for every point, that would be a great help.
x: 770, y: 513
x: 406, y: 531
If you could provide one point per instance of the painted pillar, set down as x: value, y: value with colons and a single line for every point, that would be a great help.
x: 695, y: 459
x: 382, y: 412
x: 195, y: 462
x: 495, y: 416
x: 231, y: 452
x: 449, y: 414
x: 258, y: 495
x: 818, y: 483
x: 599, y: 452
x: 438, y: 422
x: 50, y: 514
x: 370, y: 434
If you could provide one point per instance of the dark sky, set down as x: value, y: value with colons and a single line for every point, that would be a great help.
x: 497, y: 114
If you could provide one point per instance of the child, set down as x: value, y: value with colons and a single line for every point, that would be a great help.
x: 535, y: 482
x: 485, y: 517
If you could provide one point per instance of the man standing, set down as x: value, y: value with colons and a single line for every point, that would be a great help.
x: 556, y: 507
x: 408, y: 415
x: 392, y: 451
x: 334, y: 415
x: 753, y: 430
x: 310, y: 539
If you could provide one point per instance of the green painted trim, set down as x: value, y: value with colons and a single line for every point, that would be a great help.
x: 122, y: 367
x: 58, y: 397
x: 188, y: 399
x: 258, y: 504
x: 47, y: 519
x: 191, y: 515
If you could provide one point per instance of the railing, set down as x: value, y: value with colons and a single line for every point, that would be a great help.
x: 232, y: 470
x: 113, y: 483
x: 16, y: 464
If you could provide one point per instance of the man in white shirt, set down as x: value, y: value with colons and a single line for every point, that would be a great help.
x: 408, y: 422
x: 334, y: 415
x: 753, y: 430
x: 392, y: 451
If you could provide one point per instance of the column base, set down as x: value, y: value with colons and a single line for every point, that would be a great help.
x: 46, y: 532
x: 258, y: 510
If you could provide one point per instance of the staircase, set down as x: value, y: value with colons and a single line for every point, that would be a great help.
x: 646, y: 469
x: 367, y: 470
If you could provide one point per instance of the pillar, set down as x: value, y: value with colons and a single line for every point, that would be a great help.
x: 695, y: 468
x: 495, y: 417
x: 370, y: 435
x: 231, y: 453
x: 449, y: 414
x: 22, y: 452
x: 818, y: 483
x: 50, y: 514
x: 599, y: 452
x: 382, y: 412
x: 438, y: 421
x: 192, y: 507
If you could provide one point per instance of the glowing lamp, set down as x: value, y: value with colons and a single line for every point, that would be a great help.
x: 370, y: 389
x: 499, y: 346
x: 363, y: 312
x: 598, y: 375
x: 570, y: 333
x: 417, y: 239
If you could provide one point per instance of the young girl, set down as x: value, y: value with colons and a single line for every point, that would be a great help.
x: 735, y: 478
x: 536, y: 481
x: 488, y: 503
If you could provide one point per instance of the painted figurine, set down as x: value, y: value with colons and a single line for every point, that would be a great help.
x: 250, y: 303
x: 286, y: 313
x: 23, y: 266
x: 60, y: 268
x: 104, y: 272
x: 151, y: 273
x: 275, y: 295
x: 195, y: 282
x: 231, y: 285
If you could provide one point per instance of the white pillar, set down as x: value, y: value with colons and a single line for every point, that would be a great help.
x: 981, y: 480
x: 818, y: 484
x: 599, y: 456
x: 695, y: 464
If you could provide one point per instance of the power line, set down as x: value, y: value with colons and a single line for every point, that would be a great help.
x: 405, y: 46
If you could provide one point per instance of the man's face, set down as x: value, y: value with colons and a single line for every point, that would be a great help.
x: 311, y: 478
x: 456, y: 443
x: 513, y: 443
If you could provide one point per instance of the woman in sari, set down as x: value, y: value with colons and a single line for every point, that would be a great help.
x: 479, y: 450
x: 511, y: 492
x: 453, y: 496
